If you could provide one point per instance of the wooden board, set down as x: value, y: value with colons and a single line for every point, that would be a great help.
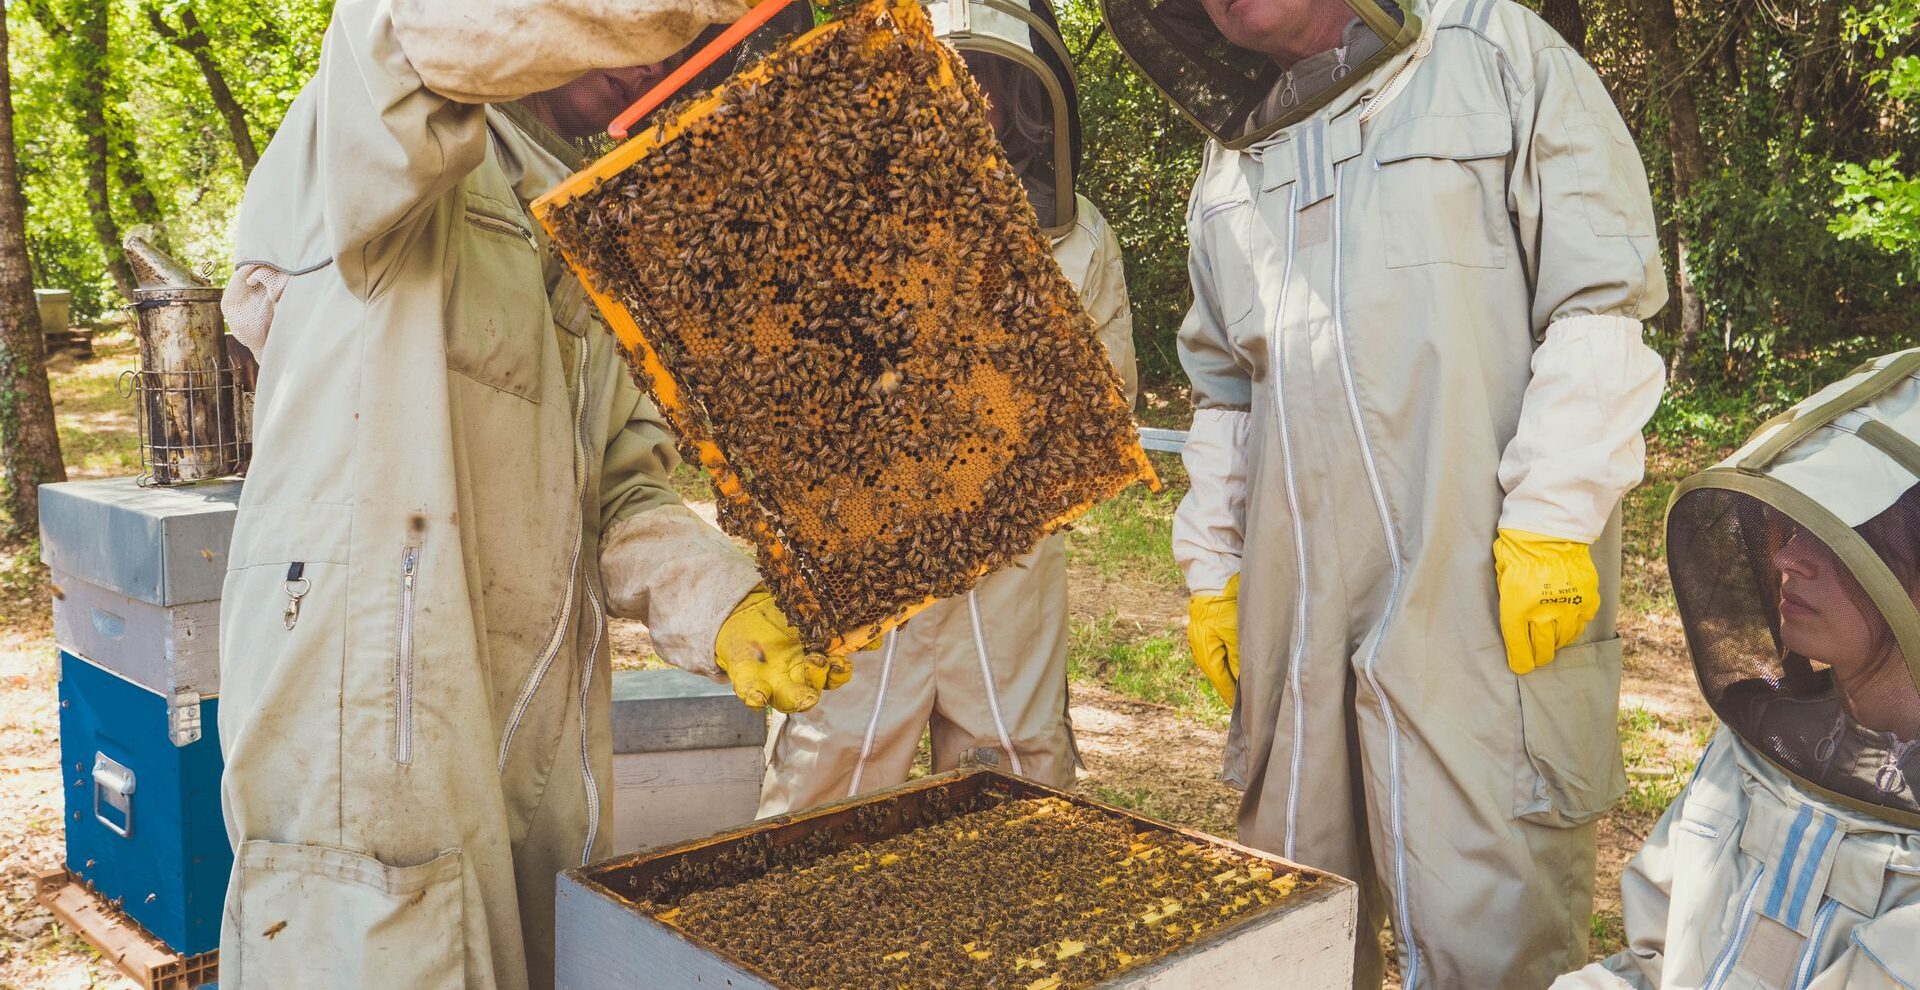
x: 143, y: 958
x: 671, y: 796
x: 605, y: 941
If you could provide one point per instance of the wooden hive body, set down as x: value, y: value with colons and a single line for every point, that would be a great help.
x: 606, y: 940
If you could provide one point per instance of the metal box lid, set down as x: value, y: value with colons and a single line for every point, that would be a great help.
x: 662, y: 710
x: 164, y: 546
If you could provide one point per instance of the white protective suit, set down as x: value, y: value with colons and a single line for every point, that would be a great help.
x: 453, y: 474
x: 1697, y: 896
x: 1792, y: 859
x: 1417, y: 319
x: 988, y: 670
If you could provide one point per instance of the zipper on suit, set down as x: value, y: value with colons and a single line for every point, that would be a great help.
x: 544, y: 662
x: 403, y: 659
x: 1724, y: 967
x: 500, y: 225
x: 1804, y: 973
x: 1276, y: 362
x: 1396, y: 809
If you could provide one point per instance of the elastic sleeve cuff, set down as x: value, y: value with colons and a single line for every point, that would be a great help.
x: 1209, y: 526
x: 1578, y: 447
x: 674, y: 571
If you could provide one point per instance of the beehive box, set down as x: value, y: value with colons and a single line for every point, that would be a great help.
x: 914, y: 886
x: 687, y: 758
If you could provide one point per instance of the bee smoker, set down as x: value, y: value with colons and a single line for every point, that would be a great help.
x: 191, y: 400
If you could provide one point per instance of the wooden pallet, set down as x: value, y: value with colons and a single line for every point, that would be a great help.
x: 79, y: 341
x: 144, y: 959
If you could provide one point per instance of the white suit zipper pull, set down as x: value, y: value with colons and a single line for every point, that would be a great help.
x: 296, y: 587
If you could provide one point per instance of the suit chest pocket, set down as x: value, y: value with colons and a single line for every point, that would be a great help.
x: 1443, y: 183
x: 1225, y: 230
x: 497, y: 319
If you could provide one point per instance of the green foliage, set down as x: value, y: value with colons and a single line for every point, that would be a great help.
x: 1786, y: 296
x: 1795, y: 285
x: 1881, y: 203
x: 1140, y: 161
x: 163, y: 121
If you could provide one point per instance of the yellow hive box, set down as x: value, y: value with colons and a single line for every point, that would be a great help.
x: 830, y: 281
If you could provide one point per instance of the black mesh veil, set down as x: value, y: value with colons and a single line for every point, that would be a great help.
x: 1312, y: 50
x: 1802, y: 623
x: 574, y: 117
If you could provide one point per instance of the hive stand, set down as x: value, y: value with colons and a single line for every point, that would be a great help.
x: 144, y: 959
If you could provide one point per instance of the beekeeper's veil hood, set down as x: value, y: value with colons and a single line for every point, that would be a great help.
x: 1014, y: 51
x: 1195, y: 52
x: 571, y: 120
x: 1796, y: 566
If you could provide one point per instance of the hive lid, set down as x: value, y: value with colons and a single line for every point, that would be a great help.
x: 163, y: 546
x: 658, y: 711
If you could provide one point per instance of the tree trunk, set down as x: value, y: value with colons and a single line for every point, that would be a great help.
x: 189, y: 37
x: 1660, y: 29
x: 84, y: 45
x: 29, y: 443
x: 1816, y: 63
x: 141, y: 201
x: 1567, y: 18
x: 1731, y: 37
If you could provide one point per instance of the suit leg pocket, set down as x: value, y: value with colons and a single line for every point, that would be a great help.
x: 307, y: 916
x: 1569, y: 721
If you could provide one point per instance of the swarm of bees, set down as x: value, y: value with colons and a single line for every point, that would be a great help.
x: 832, y: 285
x: 1041, y: 894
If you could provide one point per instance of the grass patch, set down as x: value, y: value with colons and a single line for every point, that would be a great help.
x: 1661, y: 752
x: 1148, y: 664
x: 1608, y: 933
x: 98, y: 436
x: 692, y: 483
x: 1129, y: 537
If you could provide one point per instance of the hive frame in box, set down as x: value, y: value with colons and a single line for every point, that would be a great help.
x: 667, y: 390
x: 604, y: 941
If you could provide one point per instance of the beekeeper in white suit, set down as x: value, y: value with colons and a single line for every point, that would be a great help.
x: 1792, y: 859
x: 454, y: 479
x: 985, y: 674
x: 1423, y: 246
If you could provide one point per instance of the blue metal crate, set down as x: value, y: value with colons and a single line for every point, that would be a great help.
x: 143, y: 815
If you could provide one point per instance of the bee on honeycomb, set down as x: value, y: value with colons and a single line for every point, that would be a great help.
x: 831, y: 282
x: 1036, y: 893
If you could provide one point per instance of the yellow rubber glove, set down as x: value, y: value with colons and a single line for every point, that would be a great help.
x: 1549, y: 591
x: 1213, y: 633
x: 762, y: 655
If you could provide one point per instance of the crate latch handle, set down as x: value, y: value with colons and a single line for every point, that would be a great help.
x: 113, y: 784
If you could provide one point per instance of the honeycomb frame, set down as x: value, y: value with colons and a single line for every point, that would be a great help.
x: 985, y: 354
